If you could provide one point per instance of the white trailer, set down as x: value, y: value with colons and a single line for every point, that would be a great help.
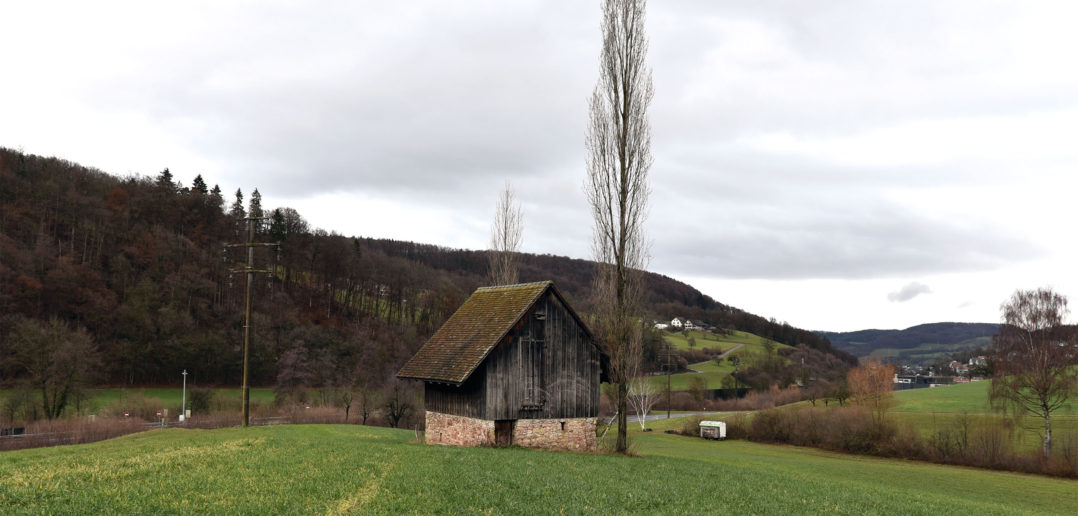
x: 713, y: 429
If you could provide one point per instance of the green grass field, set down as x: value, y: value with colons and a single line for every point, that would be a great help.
x: 969, y: 397
x: 339, y: 469
x: 935, y: 408
x: 680, y: 382
x: 171, y: 398
x: 710, y: 371
x: 703, y: 340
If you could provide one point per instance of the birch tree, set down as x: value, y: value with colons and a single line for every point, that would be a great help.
x: 1035, y: 357
x: 506, y: 234
x: 618, y: 142
x: 642, y: 396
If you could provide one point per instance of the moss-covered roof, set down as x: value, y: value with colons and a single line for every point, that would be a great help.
x: 461, y: 344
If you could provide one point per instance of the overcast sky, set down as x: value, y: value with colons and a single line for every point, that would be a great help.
x: 837, y: 165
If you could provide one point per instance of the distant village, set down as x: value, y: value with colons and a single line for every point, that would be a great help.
x: 972, y: 370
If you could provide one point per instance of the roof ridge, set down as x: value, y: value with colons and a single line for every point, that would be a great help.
x: 516, y: 285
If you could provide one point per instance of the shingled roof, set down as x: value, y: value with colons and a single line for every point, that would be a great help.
x: 461, y: 344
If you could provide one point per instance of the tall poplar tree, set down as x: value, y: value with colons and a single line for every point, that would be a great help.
x: 618, y: 160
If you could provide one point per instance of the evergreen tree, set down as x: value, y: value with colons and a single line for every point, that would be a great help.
x: 199, y: 185
x: 255, y: 209
x: 216, y: 198
x: 237, y: 207
x: 277, y: 231
x: 164, y: 180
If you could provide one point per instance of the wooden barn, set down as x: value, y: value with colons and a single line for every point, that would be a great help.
x: 513, y: 365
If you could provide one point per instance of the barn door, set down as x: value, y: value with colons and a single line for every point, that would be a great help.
x: 503, y: 432
x: 531, y: 378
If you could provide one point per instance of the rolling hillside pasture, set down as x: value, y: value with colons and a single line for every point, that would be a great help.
x: 353, y: 469
x: 703, y: 340
x: 680, y: 382
x: 709, y: 370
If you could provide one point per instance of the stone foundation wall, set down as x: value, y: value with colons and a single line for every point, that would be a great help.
x: 458, y: 430
x: 577, y: 434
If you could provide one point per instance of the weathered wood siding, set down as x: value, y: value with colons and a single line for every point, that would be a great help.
x: 466, y: 400
x: 546, y: 368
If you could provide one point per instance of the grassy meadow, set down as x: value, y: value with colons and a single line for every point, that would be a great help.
x: 751, y: 342
x: 107, y: 401
x: 171, y: 397
x: 343, y: 469
x: 711, y: 372
x: 932, y: 409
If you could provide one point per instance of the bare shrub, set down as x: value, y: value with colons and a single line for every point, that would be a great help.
x: 199, y: 400
x: 697, y: 386
x: 737, y: 427
x: 71, y: 431
x: 305, y: 415
x: 1065, y: 457
x: 990, y: 445
x: 985, y: 442
x: 690, y: 426
x: 134, y: 405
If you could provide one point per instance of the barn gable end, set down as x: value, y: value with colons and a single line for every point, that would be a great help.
x: 514, y: 364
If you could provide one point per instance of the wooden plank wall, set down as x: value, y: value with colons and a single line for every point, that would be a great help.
x: 569, y: 376
x: 466, y: 400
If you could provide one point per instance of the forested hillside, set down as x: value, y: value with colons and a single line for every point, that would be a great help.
x: 917, y: 344
x: 125, y: 281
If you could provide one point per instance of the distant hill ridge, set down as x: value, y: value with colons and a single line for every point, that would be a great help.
x: 926, y: 337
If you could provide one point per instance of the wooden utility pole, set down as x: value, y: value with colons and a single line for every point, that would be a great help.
x: 249, y: 271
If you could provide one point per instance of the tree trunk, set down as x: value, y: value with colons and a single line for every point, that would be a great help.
x: 623, y: 437
x: 1047, y: 435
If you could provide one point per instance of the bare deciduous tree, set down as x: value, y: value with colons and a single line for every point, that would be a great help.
x: 618, y: 159
x: 642, y: 396
x: 399, y: 403
x: 60, y: 361
x: 506, y: 234
x: 1035, y: 357
x: 871, y: 387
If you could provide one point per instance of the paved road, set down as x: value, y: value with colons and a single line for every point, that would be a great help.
x: 662, y: 415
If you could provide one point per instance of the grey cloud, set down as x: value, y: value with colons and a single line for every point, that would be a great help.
x: 908, y: 292
x: 440, y: 103
x: 805, y: 232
